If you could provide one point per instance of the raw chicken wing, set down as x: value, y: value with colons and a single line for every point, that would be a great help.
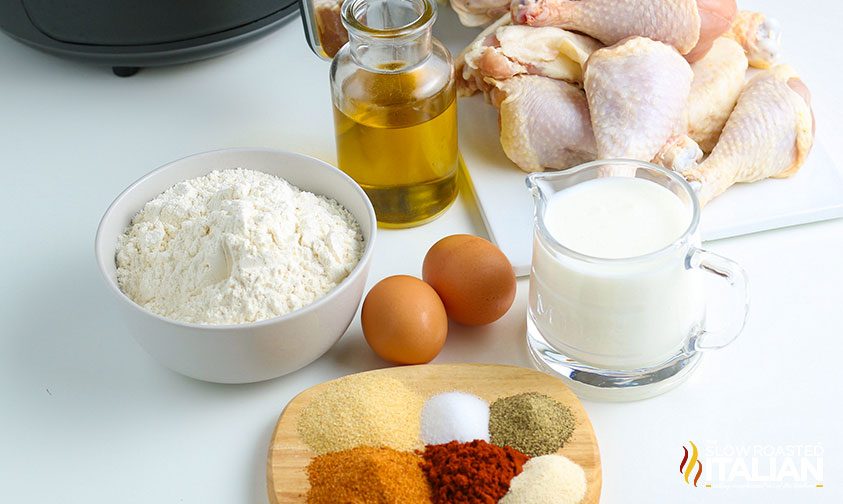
x: 769, y: 134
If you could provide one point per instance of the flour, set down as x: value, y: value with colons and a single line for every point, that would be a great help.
x: 235, y: 246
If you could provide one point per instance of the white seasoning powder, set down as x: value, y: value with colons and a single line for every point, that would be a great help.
x: 549, y: 479
x: 235, y: 246
x: 454, y: 416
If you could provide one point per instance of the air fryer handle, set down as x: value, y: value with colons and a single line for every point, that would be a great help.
x: 323, y: 26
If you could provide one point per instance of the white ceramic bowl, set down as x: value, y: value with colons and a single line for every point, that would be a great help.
x: 245, y: 352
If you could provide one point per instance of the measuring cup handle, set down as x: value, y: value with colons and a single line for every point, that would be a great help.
x: 731, y: 272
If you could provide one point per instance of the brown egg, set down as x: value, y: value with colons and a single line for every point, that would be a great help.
x: 473, y: 277
x: 716, y: 18
x: 404, y: 320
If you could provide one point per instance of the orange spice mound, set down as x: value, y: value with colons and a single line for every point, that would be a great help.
x: 470, y: 473
x: 366, y: 474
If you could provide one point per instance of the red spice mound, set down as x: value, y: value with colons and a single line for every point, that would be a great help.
x: 469, y: 473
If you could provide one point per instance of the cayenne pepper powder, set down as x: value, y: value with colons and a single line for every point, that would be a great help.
x: 470, y: 473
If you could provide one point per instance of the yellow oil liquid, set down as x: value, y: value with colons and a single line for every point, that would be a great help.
x: 400, y: 149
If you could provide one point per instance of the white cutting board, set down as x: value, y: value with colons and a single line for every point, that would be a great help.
x: 815, y: 193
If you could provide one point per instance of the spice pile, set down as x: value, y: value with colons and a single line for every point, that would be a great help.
x: 359, y: 410
x: 454, y: 416
x: 379, y: 441
x: 547, y: 479
x: 366, y: 474
x: 532, y: 423
x: 470, y: 472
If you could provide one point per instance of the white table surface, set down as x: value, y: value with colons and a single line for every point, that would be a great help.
x: 88, y: 417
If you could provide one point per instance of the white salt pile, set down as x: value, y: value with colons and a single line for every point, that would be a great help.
x: 549, y: 479
x: 454, y: 416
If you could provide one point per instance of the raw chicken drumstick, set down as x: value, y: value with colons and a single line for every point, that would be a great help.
x: 759, y: 36
x: 637, y: 94
x: 718, y: 79
x: 506, y: 50
x: 688, y: 25
x: 769, y: 134
x: 680, y: 153
x: 544, y: 123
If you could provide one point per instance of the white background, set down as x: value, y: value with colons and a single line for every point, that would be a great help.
x: 87, y: 417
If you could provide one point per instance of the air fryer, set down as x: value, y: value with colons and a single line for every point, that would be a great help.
x: 130, y: 34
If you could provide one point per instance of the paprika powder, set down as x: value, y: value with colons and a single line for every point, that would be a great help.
x: 470, y: 473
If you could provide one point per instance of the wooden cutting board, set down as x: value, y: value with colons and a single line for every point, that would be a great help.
x: 288, y: 455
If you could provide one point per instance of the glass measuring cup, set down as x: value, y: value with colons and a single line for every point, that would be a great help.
x: 629, y: 328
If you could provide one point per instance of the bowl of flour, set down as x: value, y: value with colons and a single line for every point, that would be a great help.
x: 238, y: 265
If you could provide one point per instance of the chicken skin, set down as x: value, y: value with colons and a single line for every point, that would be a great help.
x: 544, y: 123
x: 688, y: 25
x: 504, y: 50
x: 718, y: 80
x: 637, y: 95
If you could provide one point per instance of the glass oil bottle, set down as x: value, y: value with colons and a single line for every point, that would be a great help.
x: 395, y: 114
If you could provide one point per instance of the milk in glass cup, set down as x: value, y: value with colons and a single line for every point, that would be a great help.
x: 617, y: 302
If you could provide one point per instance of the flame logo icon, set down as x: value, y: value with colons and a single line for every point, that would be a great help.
x: 687, y: 466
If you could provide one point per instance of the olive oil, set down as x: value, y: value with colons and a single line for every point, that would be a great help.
x: 399, y: 142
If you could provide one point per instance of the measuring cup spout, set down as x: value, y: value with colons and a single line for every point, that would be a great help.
x: 533, y: 186
x: 541, y: 187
